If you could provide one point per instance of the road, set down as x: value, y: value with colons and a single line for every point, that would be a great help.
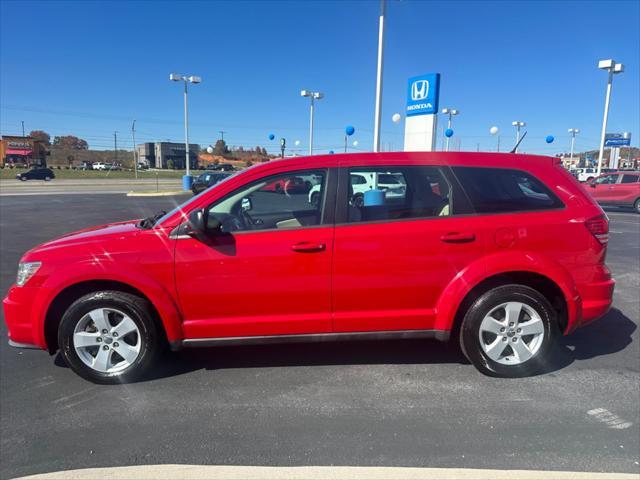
x: 401, y: 403
x: 65, y: 186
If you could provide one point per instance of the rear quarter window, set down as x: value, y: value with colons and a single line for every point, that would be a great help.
x: 497, y: 190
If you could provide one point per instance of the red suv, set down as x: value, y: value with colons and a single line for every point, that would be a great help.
x: 620, y: 189
x: 500, y: 252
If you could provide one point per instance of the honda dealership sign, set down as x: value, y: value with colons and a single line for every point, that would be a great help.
x: 421, y: 113
x: 422, y: 95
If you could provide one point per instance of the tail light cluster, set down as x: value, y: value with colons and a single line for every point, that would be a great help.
x: 599, y: 228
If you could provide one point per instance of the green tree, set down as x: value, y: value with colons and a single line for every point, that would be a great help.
x: 40, y: 136
x: 70, y: 141
x: 220, y: 148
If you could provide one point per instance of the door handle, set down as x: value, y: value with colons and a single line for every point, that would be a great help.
x: 308, y: 247
x: 457, y: 237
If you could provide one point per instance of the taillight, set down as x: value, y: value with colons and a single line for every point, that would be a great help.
x: 599, y: 228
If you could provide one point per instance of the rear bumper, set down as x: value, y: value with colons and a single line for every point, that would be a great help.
x: 596, y: 298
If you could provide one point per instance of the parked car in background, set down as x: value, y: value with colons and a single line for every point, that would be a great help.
x: 206, y: 180
x: 501, y: 253
x: 288, y: 185
x: 619, y: 189
x: 224, y: 167
x: 38, y: 173
x: 391, y: 185
x: 98, y: 166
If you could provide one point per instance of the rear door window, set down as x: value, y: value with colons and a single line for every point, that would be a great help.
x: 497, y: 190
x: 630, y: 179
x: 397, y: 192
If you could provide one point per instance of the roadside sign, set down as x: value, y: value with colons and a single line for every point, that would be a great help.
x: 617, y: 139
x: 422, y: 94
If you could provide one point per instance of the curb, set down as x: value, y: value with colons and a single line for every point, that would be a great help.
x: 166, y: 193
x: 224, y: 472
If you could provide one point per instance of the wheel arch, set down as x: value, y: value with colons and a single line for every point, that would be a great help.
x: 165, y: 320
x: 539, y: 282
x: 528, y: 268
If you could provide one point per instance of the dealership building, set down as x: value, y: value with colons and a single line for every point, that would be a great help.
x: 167, y: 154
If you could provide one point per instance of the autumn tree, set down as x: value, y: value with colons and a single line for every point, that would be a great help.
x: 40, y: 136
x: 70, y: 141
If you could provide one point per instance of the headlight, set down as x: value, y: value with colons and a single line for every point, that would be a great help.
x: 26, y: 271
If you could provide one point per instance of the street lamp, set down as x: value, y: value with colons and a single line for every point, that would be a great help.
x: 313, y: 96
x: 612, y: 67
x: 175, y: 77
x: 573, y: 132
x: 518, y: 126
x: 450, y: 112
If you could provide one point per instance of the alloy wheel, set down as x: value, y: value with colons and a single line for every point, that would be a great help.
x: 511, y: 333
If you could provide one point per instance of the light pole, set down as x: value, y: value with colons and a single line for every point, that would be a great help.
x: 313, y: 96
x: 518, y: 126
x: 175, y: 77
x: 573, y: 132
x: 612, y: 67
x: 450, y: 112
x: 135, y: 149
x: 378, y: 110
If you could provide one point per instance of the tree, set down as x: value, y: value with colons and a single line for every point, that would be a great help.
x: 69, y: 141
x: 220, y: 148
x: 40, y: 136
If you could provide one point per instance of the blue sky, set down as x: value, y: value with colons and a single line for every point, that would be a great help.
x: 90, y: 68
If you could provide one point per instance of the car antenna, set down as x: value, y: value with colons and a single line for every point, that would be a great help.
x: 515, y: 149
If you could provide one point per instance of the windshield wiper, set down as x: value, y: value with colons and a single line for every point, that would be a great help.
x: 151, y: 220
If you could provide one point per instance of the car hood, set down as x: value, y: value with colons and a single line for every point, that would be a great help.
x: 87, y: 236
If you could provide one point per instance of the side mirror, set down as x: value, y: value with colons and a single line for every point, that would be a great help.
x: 197, y: 223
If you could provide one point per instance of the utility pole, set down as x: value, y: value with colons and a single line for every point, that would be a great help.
x: 221, y: 134
x: 115, y: 147
x: 378, y: 108
x: 135, y: 149
x: 22, y: 128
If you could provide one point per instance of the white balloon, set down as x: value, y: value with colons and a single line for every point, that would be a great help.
x: 297, y: 142
x: 209, y: 149
x: 355, y: 143
x: 396, y: 117
x: 493, y: 130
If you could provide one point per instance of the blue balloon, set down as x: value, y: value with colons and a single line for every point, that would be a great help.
x: 331, y: 152
x: 349, y: 130
x: 448, y: 132
x: 549, y: 139
x: 271, y: 136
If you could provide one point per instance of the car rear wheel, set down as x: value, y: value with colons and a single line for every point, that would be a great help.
x: 109, y: 337
x: 509, y: 331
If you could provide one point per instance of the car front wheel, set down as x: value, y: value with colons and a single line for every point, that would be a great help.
x: 509, y: 331
x: 109, y: 337
x: 636, y: 205
x: 47, y: 178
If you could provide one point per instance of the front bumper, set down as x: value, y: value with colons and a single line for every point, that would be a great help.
x: 21, y: 317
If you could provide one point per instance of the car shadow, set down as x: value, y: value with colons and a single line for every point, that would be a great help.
x: 609, y: 335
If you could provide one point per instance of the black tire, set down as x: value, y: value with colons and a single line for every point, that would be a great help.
x: 589, y: 179
x: 470, y: 331
x: 315, y: 199
x: 636, y: 205
x: 358, y: 200
x: 138, y: 309
x: 23, y: 179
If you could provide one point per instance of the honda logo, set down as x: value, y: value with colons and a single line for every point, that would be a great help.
x: 419, y: 90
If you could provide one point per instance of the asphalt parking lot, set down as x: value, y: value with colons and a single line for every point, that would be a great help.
x: 401, y: 403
